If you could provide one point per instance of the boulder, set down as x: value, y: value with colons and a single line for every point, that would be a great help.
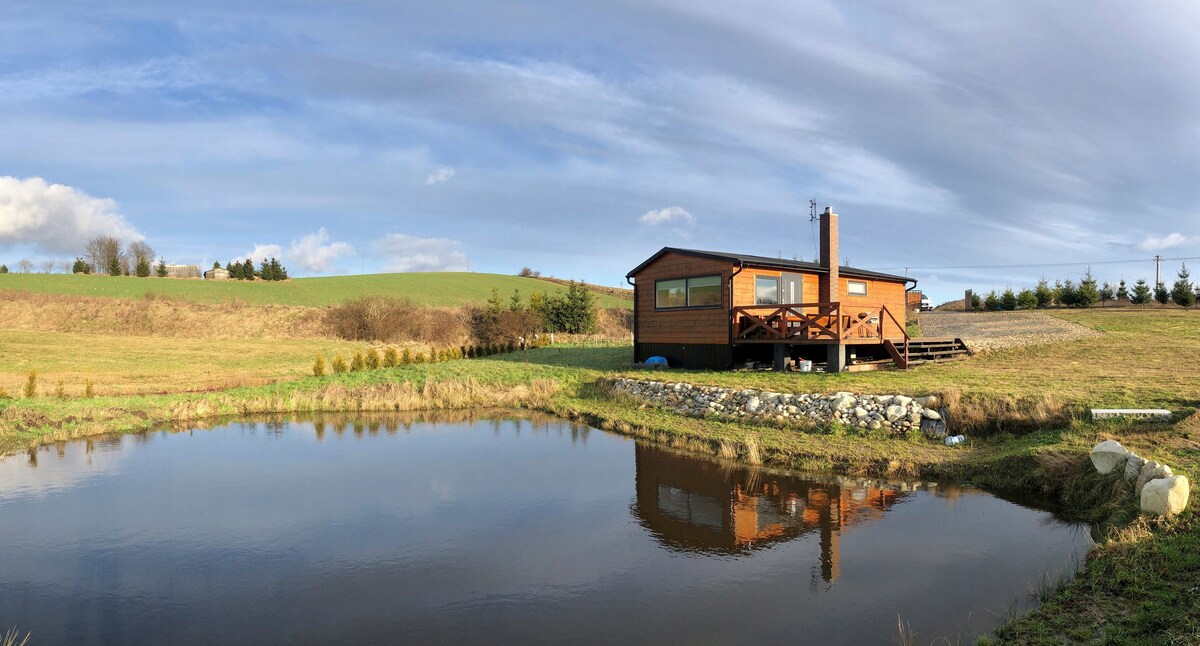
x: 860, y: 412
x: 1133, y: 466
x: 901, y: 400
x: 1152, y: 471
x: 928, y: 401
x: 894, y: 412
x: 929, y: 413
x: 752, y: 405
x: 1108, y: 456
x: 1166, y: 496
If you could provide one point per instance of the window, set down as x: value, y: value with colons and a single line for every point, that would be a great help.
x: 700, y: 291
x: 704, y: 291
x: 670, y: 293
x: 856, y: 288
x: 766, y: 290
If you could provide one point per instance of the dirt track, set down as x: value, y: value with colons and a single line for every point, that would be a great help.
x: 995, y: 330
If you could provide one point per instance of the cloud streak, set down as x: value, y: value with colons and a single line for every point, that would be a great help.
x: 1174, y: 239
x: 405, y: 253
x: 668, y: 215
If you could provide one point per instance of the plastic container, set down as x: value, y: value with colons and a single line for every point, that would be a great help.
x: 804, y: 366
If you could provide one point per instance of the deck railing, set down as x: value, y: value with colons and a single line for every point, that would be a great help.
x: 801, y: 322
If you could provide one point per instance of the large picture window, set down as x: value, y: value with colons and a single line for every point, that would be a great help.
x: 856, y: 288
x: 699, y: 291
x: 766, y: 290
x: 704, y: 291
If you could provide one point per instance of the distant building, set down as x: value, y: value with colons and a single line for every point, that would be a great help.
x: 183, y: 271
x: 216, y: 274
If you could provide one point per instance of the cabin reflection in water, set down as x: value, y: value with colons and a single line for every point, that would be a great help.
x: 697, y: 505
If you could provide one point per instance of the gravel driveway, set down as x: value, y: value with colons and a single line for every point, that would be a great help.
x: 996, y: 330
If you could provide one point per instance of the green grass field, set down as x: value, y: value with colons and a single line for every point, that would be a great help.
x: 443, y: 289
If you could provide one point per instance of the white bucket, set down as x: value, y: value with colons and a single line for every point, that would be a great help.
x: 804, y: 366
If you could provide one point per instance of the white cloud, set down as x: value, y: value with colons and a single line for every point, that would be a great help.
x: 56, y: 218
x: 410, y: 253
x: 1166, y: 242
x: 667, y: 215
x: 441, y: 175
x: 262, y: 252
x: 315, y: 253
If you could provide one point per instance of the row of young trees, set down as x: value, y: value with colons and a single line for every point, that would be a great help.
x: 270, y: 269
x: 1090, y: 292
x: 572, y: 312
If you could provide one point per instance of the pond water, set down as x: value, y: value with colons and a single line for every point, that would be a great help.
x: 529, y: 530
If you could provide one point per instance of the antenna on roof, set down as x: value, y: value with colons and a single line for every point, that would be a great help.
x: 812, y: 221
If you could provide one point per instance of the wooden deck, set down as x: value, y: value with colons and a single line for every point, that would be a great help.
x: 821, y: 324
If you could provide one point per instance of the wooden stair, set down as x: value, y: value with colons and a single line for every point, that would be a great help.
x: 928, y: 350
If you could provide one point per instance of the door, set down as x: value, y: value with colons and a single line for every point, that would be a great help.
x: 793, y: 289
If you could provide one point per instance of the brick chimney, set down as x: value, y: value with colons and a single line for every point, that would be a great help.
x: 829, y: 285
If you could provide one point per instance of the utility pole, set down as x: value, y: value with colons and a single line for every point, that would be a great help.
x: 1157, y: 262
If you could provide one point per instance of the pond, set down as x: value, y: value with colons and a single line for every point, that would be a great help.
x: 477, y: 529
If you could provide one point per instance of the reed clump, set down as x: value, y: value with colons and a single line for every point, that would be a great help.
x: 319, y: 366
x: 31, y: 385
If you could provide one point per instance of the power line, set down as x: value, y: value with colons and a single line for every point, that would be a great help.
x: 1042, y: 264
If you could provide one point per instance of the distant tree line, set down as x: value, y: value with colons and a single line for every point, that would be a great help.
x: 270, y: 270
x: 1089, y: 293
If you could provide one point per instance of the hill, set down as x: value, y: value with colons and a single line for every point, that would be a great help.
x: 443, y: 289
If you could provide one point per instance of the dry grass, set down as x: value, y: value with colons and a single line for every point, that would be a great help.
x: 158, y: 316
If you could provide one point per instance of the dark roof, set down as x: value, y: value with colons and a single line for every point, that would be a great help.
x: 772, y: 263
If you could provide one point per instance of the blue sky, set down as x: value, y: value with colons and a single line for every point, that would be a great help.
x: 578, y: 138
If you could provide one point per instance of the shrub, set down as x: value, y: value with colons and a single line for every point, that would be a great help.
x: 406, y: 357
x: 80, y: 266
x: 1182, y: 292
x: 31, y: 385
x: 89, y: 390
x: 1008, y: 300
x: 373, y: 360
x: 386, y: 320
x: 1088, y: 294
x: 3, y: 392
x: 1141, y: 292
x: 992, y: 302
x: 358, y: 362
x: 142, y: 268
x: 319, y: 367
x: 1027, y: 299
x: 391, y: 358
x: 162, y: 268
x: 339, y: 365
x: 1161, y: 294
x: 60, y: 390
x: 420, y: 358
x: 1043, y: 293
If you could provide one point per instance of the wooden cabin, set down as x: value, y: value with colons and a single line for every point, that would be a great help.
x: 715, y: 310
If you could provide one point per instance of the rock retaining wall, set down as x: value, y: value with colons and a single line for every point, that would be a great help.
x: 1159, y: 490
x: 894, y: 414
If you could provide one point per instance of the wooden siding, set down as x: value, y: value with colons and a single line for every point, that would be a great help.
x: 698, y: 326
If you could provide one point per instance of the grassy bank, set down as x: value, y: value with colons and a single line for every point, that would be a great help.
x: 439, y: 289
x: 1027, y: 402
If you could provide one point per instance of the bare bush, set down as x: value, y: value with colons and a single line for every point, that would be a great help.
x: 26, y: 265
x: 385, y: 319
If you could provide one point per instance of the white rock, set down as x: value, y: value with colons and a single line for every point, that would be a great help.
x: 929, y: 413
x: 1133, y: 466
x: 1166, y: 496
x: 860, y: 412
x: 845, y: 403
x: 1108, y: 456
x: 928, y: 401
x: 1152, y: 471
x: 752, y: 405
x: 901, y: 400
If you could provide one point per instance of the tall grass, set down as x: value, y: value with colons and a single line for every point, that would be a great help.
x: 12, y: 637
